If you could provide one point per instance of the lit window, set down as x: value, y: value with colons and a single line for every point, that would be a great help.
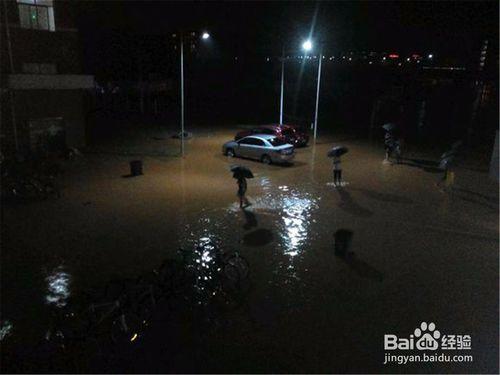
x: 36, y: 14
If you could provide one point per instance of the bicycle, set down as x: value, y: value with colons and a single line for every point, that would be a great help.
x: 216, y: 276
x: 22, y: 181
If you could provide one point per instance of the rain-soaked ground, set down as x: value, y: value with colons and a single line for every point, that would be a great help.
x: 420, y: 254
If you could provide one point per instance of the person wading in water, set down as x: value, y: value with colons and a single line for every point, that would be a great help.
x: 242, y: 189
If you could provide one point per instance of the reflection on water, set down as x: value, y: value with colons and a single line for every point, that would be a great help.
x: 296, y: 216
x: 265, y: 182
x: 5, y: 329
x: 58, y: 287
x: 280, y: 214
x: 293, y: 209
x: 200, y: 246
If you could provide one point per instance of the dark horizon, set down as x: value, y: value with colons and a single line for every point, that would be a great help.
x: 260, y: 27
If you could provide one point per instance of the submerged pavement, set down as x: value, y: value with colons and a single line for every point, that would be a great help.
x: 420, y: 254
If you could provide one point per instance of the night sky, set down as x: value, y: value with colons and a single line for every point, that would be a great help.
x: 258, y: 28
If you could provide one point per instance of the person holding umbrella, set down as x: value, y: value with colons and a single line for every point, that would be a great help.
x: 241, y: 173
x: 337, y: 171
x: 242, y: 189
x: 447, y: 161
x: 392, y: 144
x: 397, y: 150
x: 336, y: 153
x: 388, y: 140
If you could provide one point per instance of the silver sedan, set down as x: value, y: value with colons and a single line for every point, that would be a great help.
x: 266, y: 148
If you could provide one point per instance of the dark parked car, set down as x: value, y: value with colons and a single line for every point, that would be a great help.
x: 289, y: 133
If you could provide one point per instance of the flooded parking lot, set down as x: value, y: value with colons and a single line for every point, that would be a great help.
x: 419, y: 254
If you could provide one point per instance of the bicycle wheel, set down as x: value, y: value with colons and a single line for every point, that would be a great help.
x: 115, y: 289
x: 142, y: 297
x: 33, y: 189
x: 240, y: 264
x: 172, y: 276
x: 126, y: 328
x: 232, y: 273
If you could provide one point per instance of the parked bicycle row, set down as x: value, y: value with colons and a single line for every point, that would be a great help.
x: 206, y: 279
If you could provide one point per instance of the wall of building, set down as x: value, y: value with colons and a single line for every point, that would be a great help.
x: 62, y: 46
x: 59, y: 48
x: 52, y: 97
x: 39, y: 104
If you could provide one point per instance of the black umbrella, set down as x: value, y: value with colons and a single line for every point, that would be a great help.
x: 446, y: 162
x: 240, y: 171
x: 448, y: 154
x: 389, y: 127
x: 337, y: 151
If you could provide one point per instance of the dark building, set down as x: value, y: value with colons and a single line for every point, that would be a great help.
x: 44, y: 93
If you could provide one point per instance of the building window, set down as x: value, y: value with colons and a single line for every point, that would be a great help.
x: 36, y: 14
x: 37, y: 68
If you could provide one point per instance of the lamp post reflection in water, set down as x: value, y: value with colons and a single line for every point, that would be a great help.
x: 58, y: 287
x: 200, y: 249
x: 296, y: 216
x: 5, y: 329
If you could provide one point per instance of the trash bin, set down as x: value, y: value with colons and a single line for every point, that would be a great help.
x: 343, y: 238
x: 136, y: 167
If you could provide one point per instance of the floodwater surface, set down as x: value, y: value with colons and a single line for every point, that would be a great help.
x: 417, y: 253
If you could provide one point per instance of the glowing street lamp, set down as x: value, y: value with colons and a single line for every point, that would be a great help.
x: 307, y: 45
x: 205, y: 35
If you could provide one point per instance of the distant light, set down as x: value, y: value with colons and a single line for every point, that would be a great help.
x: 267, y: 58
x: 383, y: 58
x: 307, y: 45
x: 430, y: 56
x: 350, y: 58
x: 370, y: 63
x: 134, y: 337
x: 205, y: 36
x: 393, y: 56
x: 407, y: 59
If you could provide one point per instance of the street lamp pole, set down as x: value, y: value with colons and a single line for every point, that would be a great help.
x: 204, y: 36
x: 182, y: 94
x: 317, y: 95
x: 282, y: 84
